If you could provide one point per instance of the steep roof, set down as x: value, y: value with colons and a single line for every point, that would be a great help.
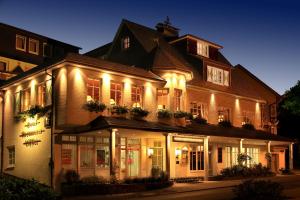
x: 210, y: 130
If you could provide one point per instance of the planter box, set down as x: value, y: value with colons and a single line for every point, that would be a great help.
x: 118, y: 115
x: 180, y: 121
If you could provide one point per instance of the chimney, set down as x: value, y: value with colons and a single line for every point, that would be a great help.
x: 168, y: 31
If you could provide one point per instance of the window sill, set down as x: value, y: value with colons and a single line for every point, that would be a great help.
x: 10, y: 167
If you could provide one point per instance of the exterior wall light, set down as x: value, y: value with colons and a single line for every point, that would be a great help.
x: 177, y: 153
x: 150, y: 152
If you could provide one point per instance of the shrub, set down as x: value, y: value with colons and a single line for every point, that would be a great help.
x: 180, y: 114
x: 139, y: 112
x: 242, y: 158
x: 225, y: 123
x: 119, y: 110
x: 200, y: 120
x: 164, y: 114
x: 248, y: 126
x: 243, y: 171
x: 259, y: 190
x: 94, y: 106
x: 155, y: 172
x: 285, y: 171
x: 12, y: 188
x: 71, y: 176
x: 94, y: 179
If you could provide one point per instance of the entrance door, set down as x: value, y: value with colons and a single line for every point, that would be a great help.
x: 275, y: 163
x: 133, y: 164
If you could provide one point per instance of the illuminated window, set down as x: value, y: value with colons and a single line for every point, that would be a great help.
x: 202, y: 49
x: 41, y: 95
x: 11, y: 156
x: 231, y: 156
x: 254, y: 154
x: 20, y: 42
x: 217, y: 76
x: 87, y: 152
x: 177, y: 100
x: 199, y: 110
x: 197, y: 158
x: 25, y: 99
x: 69, y: 156
x: 247, y: 117
x: 223, y: 114
x: 17, y: 103
x: 102, y: 152
x: 157, y: 157
x: 33, y: 46
x: 93, y: 90
x: 136, y: 96
x: 162, y: 98
x: 115, y: 93
x: 126, y: 42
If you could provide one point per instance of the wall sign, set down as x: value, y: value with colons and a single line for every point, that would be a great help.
x: 187, y: 139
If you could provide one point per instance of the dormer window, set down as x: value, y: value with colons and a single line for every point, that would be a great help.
x: 217, y: 76
x: 125, y: 42
x: 202, y: 49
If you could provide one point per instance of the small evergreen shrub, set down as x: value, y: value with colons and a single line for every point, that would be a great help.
x: 241, y: 171
x: 94, y: 180
x: 180, y: 114
x: 226, y: 124
x: 248, y: 126
x: 259, y: 190
x: 164, y: 114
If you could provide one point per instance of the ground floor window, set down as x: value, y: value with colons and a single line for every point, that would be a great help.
x: 231, y: 156
x: 254, y: 154
x: 197, y: 158
x: 157, y: 157
x: 11, y: 156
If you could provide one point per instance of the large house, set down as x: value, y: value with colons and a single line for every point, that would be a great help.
x: 154, y: 69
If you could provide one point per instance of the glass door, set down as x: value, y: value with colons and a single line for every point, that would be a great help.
x: 133, y: 157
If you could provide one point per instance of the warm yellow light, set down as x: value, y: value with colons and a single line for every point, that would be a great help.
x: 177, y: 152
x: 106, y: 78
x: 150, y: 152
x: 33, y: 83
x: 212, y: 98
x: 78, y: 76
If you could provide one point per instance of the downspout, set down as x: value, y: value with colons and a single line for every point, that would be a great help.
x: 2, y: 131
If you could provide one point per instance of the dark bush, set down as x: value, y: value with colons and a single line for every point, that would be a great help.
x: 164, y: 114
x: 71, y: 176
x: 243, y: 171
x: 94, y: 106
x: 180, y: 114
x: 258, y: 190
x: 138, y: 112
x: 226, y: 124
x: 119, y: 110
x: 94, y: 179
x: 12, y: 188
x: 248, y: 126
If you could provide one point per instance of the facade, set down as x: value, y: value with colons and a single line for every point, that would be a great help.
x: 22, y: 50
x: 148, y: 68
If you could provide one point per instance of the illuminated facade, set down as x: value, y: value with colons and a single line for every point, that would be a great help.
x: 143, y: 68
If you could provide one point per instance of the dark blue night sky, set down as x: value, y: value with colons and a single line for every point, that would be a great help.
x: 263, y: 36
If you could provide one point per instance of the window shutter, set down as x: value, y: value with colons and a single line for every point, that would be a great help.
x: 226, y: 78
x: 209, y: 74
x: 17, y: 105
x: 48, y: 93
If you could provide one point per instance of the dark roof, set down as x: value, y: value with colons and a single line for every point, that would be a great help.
x: 209, y: 130
x: 93, y: 62
x: 198, y: 38
x: 16, y: 28
x: 100, y: 51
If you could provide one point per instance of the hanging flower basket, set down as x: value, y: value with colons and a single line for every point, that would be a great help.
x: 94, y: 106
x: 138, y: 113
x: 119, y: 111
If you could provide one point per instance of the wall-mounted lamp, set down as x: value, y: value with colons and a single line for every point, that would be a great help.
x: 177, y: 153
x: 150, y: 152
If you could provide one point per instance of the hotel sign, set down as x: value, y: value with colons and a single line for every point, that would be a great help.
x: 187, y: 139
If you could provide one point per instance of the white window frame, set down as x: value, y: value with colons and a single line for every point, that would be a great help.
x: 11, y: 156
x: 126, y: 43
x: 24, y: 38
x: 199, y: 108
x: 218, y: 76
x: 202, y: 49
x: 37, y: 46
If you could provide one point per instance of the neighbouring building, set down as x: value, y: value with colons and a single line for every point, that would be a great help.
x: 155, y: 69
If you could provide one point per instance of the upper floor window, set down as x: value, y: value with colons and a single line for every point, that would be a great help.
x: 162, y: 98
x: 125, y: 42
x: 21, y: 42
x: 136, y: 96
x: 25, y: 99
x: 199, y: 110
x: 223, y: 114
x: 202, y: 49
x: 247, y: 117
x: 41, y: 95
x: 3, y: 66
x: 47, y: 50
x: 93, y: 90
x: 177, y: 99
x: 33, y: 46
x: 115, y: 93
x: 217, y: 76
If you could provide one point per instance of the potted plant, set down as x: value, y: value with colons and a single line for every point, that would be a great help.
x: 94, y: 106
x: 180, y: 118
x: 248, y: 126
x: 138, y: 113
x: 164, y: 116
x: 119, y: 111
x: 225, y: 123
